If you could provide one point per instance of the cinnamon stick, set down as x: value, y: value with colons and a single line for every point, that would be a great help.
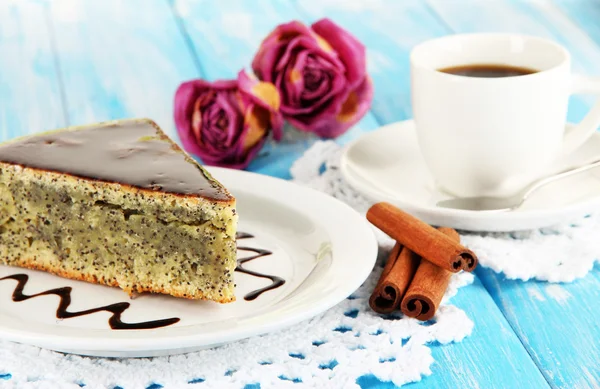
x: 394, y: 280
x: 428, y: 286
x: 421, y: 238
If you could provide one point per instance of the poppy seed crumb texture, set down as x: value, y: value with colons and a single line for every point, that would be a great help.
x: 119, y: 204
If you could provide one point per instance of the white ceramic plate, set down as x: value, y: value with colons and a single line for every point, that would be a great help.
x: 386, y: 165
x: 321, y: 247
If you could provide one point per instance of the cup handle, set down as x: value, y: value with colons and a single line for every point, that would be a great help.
x: 580, y: 133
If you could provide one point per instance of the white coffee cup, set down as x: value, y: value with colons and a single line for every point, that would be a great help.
x: 493, y: 136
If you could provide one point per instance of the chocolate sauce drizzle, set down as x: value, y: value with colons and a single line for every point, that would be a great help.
x: 62, y: 312
x: 117, y: 309
x: 276, y: 282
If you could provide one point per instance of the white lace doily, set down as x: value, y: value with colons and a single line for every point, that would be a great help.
x: 556, y: 254
x: 331, y: 350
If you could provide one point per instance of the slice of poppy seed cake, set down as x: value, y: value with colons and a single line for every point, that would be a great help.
x: 119, y: 204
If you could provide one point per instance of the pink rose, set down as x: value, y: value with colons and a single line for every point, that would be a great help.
x: 226, y: 122
x: 320, y: 73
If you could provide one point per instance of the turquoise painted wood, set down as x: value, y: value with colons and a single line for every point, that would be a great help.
x: 558, y: 324
x: 492, y: 357
x: 68, y: 62
x: 552, y: 321
x: 29, y: 84
x: 583, y: 15
x: 119, y: 59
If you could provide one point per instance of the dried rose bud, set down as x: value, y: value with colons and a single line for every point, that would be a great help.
x: 320, y: 73
x: 226, y: 122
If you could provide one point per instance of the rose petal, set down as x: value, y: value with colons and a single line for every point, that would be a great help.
x: 185, y: 98
x: 352, y: 110
x: 313, y: 120
x: 335, y: 84
x: 196, y: 124
x: 252, y: 138
x: 257, y: 119
x: 216, y: 129
x: 330, y: 101
x: 323, y: 44
x: 264, y: 61
x: 358, y: 103
x: 293, y: 80
x: 243, y: 162
x: 317, y: 75
x: 222, y: 85
x: 294, y: 95
x: 348, y: 48
x: 264, y: 95
x: 277, y: 125
x: 310, y: 97
x: 280, y: 86
x: 306, y: 43
x: 232, y: 114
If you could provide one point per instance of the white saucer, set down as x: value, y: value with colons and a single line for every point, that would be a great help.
x: 322, y: 248
x: 386, y: 165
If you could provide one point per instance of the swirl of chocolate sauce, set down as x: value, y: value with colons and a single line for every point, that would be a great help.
x: 62, y: 312
x: 276, y: 281
x: 117, y: 309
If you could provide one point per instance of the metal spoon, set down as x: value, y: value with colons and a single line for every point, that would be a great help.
x: 499, y: 204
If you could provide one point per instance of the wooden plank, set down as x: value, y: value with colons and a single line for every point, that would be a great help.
x: 120, y: 59
x: 557, y: 323
x: 554, y: 322
x: 584, y: 14
x: 492, y: 356
x: 227, y: 41
x: 30, y: 97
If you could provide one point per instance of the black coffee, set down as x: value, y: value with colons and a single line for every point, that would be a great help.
x: 487, y: 71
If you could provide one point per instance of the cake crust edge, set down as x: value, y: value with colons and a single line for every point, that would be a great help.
x: 193, y: 198
x: 31, y: 264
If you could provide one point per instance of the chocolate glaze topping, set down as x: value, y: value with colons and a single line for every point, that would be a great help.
x: 133, y: 152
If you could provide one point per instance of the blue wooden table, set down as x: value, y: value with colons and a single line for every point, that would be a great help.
x: 73, y: 62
